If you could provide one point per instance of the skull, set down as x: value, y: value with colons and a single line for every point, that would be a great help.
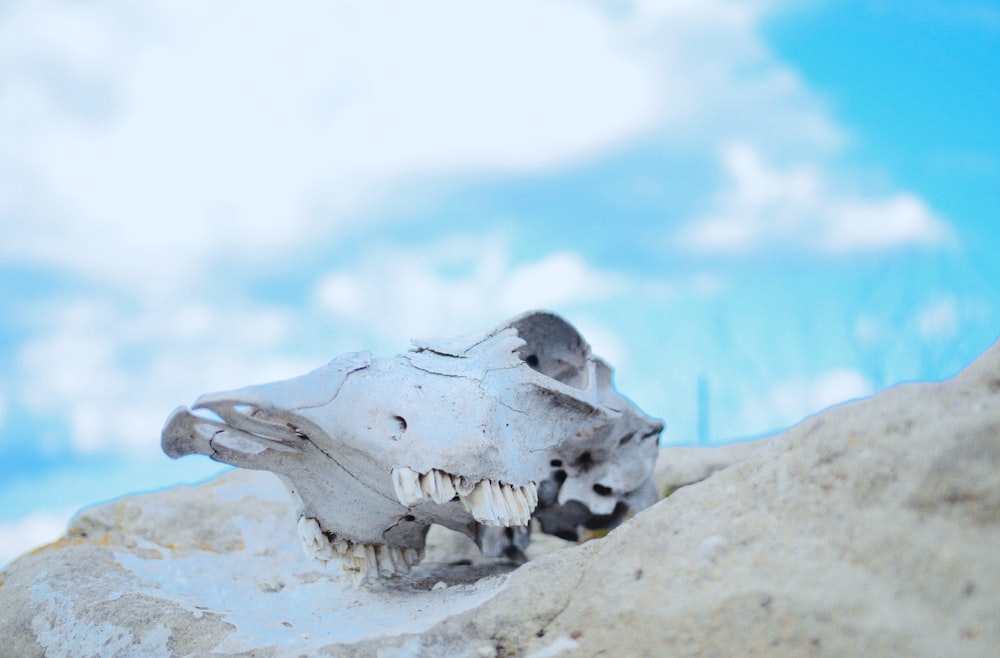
x: 479, y: 434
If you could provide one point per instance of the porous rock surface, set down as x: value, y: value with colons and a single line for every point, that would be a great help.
x: 870, y: 529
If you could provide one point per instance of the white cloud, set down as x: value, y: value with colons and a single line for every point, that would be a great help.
x: 114, y: 375
x: 30, y: 532
x: 147, y: 144
x: 900, y: 220
x: 149, y: 140
x: 718, y: 78
x: 939, y: 319
x: 792, y: 400
x: 437, y: 289
x: 797, y: 206
x: 796, y: 400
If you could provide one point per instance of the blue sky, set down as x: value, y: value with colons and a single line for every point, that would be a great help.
x: 788, y: 204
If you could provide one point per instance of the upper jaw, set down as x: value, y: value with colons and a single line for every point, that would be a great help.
x: 253, y: 416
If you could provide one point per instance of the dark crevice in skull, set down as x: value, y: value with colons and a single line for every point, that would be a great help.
x: 548, y: 493
x: 297, y: 431
x: 602, y: 490
x: 657, y: 428
x: 584, y: 461
x: 512, y: 551
x: 612, y: 520
x: 554, y: 348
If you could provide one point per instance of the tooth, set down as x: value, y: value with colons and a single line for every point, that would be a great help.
x: 524, y: 499
x: 359, y: 560
x: 427, y: 485
x: 406, y: 483
x: 445, y: 486
x: 405, y: 561
x: 449, y: 486
x: 517, y: 504
x: 386, y: 565
x: 505, y: 513
x: 471, y: 502
x: 530, y: 492
x: 481, y: 504
x: 399, y: 564
x: 356, y: 557
x: 315, y: 542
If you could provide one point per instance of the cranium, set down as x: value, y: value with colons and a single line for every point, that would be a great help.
x: 479, y: 434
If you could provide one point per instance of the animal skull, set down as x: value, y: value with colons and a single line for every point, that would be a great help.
x: 479, y: 434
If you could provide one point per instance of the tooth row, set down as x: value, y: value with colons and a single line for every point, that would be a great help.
x: 362, y: 560
x: 490, y: 502
x: 499, y: 504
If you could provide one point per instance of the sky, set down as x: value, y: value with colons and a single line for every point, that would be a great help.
x: 752, y: 209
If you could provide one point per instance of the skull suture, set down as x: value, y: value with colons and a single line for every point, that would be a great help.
x: 478, y: 434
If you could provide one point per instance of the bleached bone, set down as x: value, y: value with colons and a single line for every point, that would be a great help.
x: 479, y: 433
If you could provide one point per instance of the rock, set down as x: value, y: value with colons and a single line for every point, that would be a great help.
x: 870, y: 529
x: 678, y: 467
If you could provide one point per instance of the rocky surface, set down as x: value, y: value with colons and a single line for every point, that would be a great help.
x: 870, y: 529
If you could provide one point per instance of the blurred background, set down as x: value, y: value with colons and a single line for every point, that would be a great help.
x: 753, y: 210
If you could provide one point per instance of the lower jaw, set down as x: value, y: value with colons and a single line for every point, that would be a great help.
x: 363, y: 561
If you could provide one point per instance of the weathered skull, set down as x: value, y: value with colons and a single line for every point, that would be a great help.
x: 478, y: 434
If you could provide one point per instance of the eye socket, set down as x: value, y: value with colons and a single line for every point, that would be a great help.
x: 532, y: 360
x: 401, y: 421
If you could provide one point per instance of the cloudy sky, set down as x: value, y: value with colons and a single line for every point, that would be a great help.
x: 752, y: 209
